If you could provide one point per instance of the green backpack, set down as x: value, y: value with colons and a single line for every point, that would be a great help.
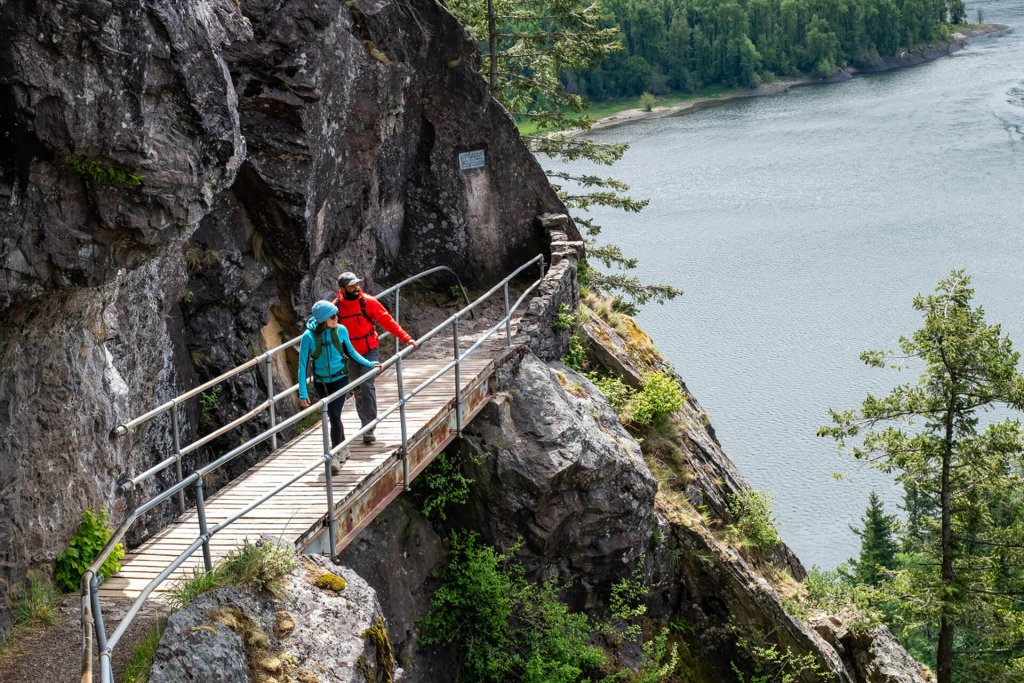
x: 318, y: 345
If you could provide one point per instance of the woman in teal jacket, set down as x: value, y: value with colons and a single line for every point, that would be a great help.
x: 327, y: 343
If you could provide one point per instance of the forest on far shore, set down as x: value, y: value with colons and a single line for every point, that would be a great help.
x: 687, y: 45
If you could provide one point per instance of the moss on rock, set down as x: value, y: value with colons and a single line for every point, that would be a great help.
x: 329, y: 581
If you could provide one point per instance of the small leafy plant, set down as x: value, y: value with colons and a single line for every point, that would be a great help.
x: 85, y: 546
x: 613, y: 388
x: 659, y: 395
x: 773, y: 665
x: 443, y: 484
x: 209, y: 404
x: 103, y: 174
x: 565, y: 320
x: 754, y: 523
x: 576, y: 356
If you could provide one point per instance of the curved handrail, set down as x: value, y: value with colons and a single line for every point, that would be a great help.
x: 126, y: 483
x: 92, y: 616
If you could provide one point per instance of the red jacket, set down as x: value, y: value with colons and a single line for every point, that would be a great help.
x: 361, y: 331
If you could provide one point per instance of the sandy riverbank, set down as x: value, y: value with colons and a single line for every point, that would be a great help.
x: 902, y: 60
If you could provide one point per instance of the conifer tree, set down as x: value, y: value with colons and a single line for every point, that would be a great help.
x: 878, y: 546
x: 528, y: 47
x: 963, y: 580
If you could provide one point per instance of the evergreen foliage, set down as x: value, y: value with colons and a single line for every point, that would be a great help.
x: 687, y: 45
x: 957, y: 587
x: 878, y: 546
x: 506, y: 627
x: 443, y: 484
x: 528, y: 46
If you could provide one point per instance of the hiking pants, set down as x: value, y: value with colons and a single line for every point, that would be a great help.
x: 366, y: 393
x: 324, y: 389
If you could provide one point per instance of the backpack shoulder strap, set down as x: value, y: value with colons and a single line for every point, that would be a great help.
x: 318, y: 345
x: 336, y: 340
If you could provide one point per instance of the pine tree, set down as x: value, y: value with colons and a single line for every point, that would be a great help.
x: 963, y: 579
x: 878, y: 546
x: 528, y: 47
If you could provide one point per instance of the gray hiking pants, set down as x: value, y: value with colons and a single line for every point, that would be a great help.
x: 366, y: 393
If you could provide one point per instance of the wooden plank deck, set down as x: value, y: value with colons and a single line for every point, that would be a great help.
x: 370, y: 479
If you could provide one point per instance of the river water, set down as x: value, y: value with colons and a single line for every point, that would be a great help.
x: 800, y: 227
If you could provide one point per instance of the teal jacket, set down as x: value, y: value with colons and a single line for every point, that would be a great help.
x: 330, y: 365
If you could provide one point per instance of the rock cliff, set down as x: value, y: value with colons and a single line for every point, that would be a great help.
x: 178, y: 181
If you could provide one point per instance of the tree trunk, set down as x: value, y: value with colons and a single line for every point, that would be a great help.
x: 944, y: 652
x: 492, y: 43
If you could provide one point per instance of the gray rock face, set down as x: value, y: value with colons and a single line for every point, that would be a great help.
x: 136, y: 88
x: 179, y: 181
x: 713, y: 475
x: 399, y: 554
x: 562, y: 473
x: 312, y: 634
x: 875, y: 656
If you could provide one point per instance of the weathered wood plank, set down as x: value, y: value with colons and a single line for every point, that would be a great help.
x: 370, y: 478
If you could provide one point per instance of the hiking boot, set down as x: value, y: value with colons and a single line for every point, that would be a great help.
x: 338, y: 460
x: 369, y: 438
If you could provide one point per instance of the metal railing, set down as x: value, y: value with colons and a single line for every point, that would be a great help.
x: 92, y: 616
x: 267, y: 359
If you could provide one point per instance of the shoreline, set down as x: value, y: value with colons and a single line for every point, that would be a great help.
x: 905, y: 59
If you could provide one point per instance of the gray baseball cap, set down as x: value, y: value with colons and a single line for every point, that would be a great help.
x: 348, y: 278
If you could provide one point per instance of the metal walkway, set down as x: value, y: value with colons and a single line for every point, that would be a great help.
x: 369, y: 480
x: 423, y: 399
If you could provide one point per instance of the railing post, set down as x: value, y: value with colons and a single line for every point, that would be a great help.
x: 101, y: 632
x: 177, y: 453
x: 398, y: 310
x: 270, y: 397
x: 203, y: 531
x: 458, y: 378
x: 508, y: 319
x: 401, y: 416
x: 542, y: 266
x: 332, y: 521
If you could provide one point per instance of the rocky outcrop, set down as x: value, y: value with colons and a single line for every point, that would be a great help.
x: 178, y: 181
x: 401, y: 555
x: 313, y: 635
x: 560, y: 472
x: 873, y: 654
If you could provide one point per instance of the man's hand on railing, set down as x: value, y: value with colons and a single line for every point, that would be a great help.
x: 414, y: 344
x: 304, y: 403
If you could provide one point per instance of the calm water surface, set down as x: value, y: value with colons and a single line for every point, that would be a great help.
x: 800, y: 227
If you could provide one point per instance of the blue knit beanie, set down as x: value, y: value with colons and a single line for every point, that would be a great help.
x: 322, y: 310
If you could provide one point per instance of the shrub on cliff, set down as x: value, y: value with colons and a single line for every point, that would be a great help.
x: 659, y: 395
x: 84, y: 547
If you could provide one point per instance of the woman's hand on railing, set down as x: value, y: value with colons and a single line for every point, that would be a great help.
x: 304, y: 403
x: 414, y: 344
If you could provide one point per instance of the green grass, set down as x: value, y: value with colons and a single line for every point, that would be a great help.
x: 141, y: 662
x: 37, y: 606
x: 600, y: 110
x: 259, y: 566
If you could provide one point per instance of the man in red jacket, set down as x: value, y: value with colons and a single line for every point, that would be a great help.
x: 358, y: 312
